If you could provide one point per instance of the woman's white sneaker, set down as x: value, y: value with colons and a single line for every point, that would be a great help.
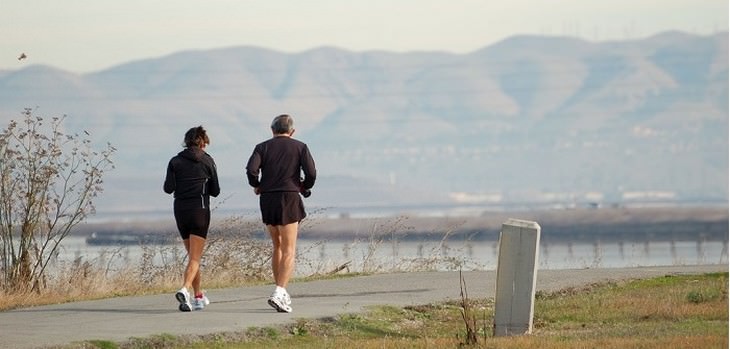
x: 183, y: 297
x: 200, y: 303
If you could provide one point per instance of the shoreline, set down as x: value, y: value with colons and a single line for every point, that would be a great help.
x: 582, y: 224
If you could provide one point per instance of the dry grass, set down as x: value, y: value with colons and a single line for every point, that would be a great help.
x: 233, y: 257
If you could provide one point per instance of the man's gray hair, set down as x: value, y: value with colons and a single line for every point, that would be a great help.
x: 282, y: 124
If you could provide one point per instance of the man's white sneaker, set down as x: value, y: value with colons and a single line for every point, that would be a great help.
x: 287, y: 299
x: 183, y: 296
x: 278, y: 302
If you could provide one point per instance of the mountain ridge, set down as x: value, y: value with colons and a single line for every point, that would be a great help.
x: 527, y: 119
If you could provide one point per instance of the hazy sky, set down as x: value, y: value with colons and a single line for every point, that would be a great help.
x: 89, y: 35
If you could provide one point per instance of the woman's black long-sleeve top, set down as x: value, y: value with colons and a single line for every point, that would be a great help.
x: 192, y: 177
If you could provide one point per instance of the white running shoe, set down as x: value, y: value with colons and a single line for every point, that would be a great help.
x: 278, y: 302
x: 183, y: 296
x: 287, y: 298
x: 200, y: 303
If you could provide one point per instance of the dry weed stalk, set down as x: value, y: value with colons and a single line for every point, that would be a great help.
x: 467, y: 314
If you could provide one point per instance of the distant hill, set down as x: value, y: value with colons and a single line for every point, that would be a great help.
x: 531, y: 119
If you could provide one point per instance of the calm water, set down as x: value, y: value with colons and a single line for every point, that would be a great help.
x: 323, y: 256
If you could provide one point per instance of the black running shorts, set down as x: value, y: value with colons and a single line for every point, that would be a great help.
x: 281, y: 208
x: 193, y: 222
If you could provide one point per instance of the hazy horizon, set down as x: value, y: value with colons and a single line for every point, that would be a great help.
x: 81, y: 36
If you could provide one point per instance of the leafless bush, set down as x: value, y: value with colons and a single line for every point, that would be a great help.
x: 437, y: 258
x: 83, y: 277
x: 159, y: 265
x: 380, y: 251
x: 48, y: 182
x: 390, y: 231
x: 234, y: 253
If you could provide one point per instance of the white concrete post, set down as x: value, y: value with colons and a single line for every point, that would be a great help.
x: 516, y: 277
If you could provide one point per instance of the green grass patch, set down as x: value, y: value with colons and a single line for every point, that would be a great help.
x: 103, y: 344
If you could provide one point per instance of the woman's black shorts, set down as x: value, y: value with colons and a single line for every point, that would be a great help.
x: 193, y: 222
x: 281, y: 208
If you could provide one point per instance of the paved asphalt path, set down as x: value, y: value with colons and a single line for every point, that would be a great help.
x: 236, y: 309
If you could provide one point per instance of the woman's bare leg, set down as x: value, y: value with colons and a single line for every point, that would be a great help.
x: 194, y: 246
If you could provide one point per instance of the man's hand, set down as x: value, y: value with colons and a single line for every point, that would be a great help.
x: 256, y: 191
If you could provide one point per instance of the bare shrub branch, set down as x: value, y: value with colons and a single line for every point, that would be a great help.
x: 48, y: 183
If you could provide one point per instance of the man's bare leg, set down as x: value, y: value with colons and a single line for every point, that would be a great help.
x: 284, y: 238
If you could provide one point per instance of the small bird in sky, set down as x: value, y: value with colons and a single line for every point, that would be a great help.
x: 22, y: 56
